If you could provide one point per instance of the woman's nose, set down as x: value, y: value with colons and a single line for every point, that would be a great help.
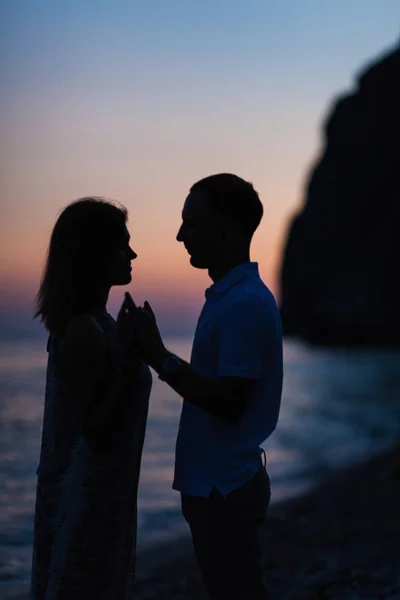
x: 132, y: 254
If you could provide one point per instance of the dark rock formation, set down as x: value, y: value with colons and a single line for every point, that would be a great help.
x: 340, y: 276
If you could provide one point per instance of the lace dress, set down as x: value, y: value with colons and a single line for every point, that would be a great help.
x: 86, y: 502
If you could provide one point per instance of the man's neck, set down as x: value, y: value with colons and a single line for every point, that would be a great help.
x: 220, y: 271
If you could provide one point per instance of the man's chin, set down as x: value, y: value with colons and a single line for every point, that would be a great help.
x: 197, y: 264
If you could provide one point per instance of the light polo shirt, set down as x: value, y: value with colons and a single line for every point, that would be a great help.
x: 238, y: 335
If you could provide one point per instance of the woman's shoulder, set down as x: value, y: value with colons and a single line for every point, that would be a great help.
x: 84, y: 334
x: 85, y: 325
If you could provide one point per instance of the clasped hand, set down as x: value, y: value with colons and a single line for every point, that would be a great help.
x: 139, y: 334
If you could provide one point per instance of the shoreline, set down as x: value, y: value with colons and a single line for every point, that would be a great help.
x: 339, y: 541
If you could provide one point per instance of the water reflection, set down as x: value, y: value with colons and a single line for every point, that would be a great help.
x: 338, y: 406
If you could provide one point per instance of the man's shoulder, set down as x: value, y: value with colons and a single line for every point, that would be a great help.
x: 252, y: 292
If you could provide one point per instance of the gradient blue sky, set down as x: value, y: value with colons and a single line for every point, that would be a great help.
x: 137, y: 100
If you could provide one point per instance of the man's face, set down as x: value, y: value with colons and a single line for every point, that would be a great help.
x: 201, y: 231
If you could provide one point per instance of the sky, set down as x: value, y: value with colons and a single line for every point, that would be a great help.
x: 137, y: 100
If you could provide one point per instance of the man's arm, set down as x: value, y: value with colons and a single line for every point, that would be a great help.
x: 241, y: 360
x: 225, y: 398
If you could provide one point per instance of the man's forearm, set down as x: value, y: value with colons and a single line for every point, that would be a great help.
x: 201, y: 391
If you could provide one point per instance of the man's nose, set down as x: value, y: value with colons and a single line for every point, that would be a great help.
x: 179, y: 237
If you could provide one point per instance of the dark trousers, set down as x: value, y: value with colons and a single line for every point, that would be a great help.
x: 226, y: 538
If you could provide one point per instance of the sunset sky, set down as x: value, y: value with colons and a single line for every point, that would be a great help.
x: 137, y: 100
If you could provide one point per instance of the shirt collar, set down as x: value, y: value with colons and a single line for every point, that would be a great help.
x: 233, y: 277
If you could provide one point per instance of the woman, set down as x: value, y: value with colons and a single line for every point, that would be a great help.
x: 96, y: 404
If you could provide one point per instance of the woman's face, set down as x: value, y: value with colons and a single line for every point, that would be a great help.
x: 119, y: 270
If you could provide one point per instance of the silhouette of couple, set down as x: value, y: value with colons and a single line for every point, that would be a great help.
x: 98, y: 385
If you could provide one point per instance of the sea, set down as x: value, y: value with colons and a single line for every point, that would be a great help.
x: 339, y: 406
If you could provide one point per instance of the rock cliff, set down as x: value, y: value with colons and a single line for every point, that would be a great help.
x: 340, y: 274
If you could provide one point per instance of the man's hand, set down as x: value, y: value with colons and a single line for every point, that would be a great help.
x: 146, y: 335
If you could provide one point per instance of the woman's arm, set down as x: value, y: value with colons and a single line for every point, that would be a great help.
x: 84, y: 353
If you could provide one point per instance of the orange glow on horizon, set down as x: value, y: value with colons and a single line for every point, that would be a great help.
x: 94, y: 120
x: 162, y: 270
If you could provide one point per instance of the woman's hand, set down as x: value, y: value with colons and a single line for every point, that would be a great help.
x: 126, y: 333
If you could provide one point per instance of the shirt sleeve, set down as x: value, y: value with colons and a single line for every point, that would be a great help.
x: 243, y: 335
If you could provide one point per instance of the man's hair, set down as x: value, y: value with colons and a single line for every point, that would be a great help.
x: 234, y: 197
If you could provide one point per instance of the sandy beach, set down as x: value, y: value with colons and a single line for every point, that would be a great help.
x: 340, y: 541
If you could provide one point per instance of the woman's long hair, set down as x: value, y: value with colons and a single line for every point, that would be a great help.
x: 84, y: 240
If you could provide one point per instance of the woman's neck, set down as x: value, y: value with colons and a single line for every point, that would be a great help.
x: 101, y: 299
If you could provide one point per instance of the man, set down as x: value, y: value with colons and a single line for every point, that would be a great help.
x: 231, y: 389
